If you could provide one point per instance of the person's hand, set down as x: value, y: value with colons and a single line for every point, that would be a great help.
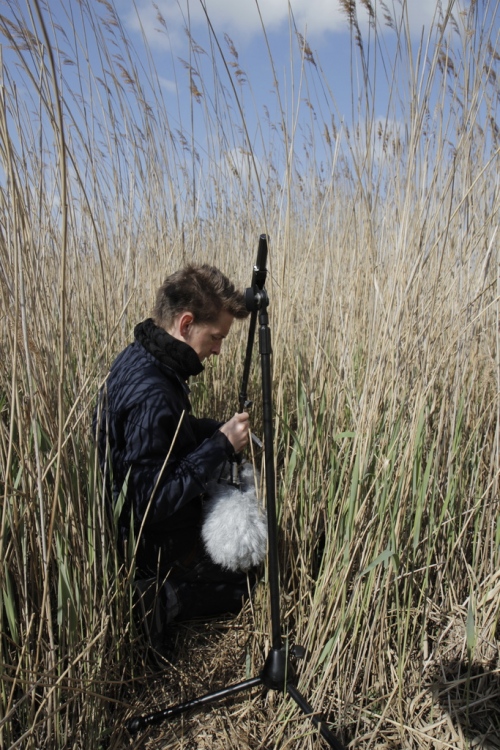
x: 237, y: 431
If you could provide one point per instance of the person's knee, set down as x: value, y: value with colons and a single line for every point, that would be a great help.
x: 211, y: 599
x: 155, y: 606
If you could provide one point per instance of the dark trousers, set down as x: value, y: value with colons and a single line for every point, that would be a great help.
x: 193, y: 587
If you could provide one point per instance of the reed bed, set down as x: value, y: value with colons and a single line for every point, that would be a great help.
x: 384, y: 285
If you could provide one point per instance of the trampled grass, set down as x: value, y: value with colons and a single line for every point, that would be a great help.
x: 384, y: 286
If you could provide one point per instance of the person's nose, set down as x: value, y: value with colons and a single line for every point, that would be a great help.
x: 216, y: 347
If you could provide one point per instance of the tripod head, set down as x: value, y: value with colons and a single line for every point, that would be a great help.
x: 260, y: 270
x: 255, y: 295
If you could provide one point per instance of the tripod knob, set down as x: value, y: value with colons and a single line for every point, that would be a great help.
x: 298, y: 651
x: 256, y: 299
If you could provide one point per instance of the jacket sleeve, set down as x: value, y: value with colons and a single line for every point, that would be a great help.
x: 204, y: 428
x: 170, y: 465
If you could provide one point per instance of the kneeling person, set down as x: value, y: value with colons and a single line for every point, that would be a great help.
x: 152, y: 448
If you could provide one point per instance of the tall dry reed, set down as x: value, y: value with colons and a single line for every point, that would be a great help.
x: 384, y: 286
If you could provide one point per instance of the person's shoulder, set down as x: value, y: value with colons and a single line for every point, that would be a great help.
x: 136, y: 378
x: 123, y: 356
x: 138, y: 364
x: 124, y: 362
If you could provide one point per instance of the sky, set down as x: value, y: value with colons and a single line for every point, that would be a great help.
x: 322, y: 23
x: 261, y: 41
x: 291, y: 56
x: 265, y: 37
x: 260, y: 44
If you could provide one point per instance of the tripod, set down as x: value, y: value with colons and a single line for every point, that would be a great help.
x: 278, y: 672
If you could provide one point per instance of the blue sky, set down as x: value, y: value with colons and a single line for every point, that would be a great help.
x: 322, y: 23
x: 270, y: 61
x: 271, y: 75
x: 269, y: 57
x: 324, y: 26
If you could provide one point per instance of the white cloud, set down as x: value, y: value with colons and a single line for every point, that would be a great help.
x: 244, y: 165
x: 231, y: 16
x: 168, y: 85
x: 311, y: 16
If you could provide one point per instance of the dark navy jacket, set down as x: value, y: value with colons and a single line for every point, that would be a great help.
x: 152, y: 446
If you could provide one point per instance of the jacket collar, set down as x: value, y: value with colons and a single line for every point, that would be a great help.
x: 168, y: 350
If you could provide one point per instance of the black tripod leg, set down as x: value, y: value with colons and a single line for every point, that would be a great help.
x: 141, y: 722
x: 309, y: 711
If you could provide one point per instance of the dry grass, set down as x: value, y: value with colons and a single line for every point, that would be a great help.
x: 385, y: 319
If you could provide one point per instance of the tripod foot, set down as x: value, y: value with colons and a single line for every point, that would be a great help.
x: 141, y: 722
x: 309, y: 711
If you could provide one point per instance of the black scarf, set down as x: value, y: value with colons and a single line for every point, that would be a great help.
x: 167, y: 349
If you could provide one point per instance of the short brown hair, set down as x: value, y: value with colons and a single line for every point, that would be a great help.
x: 202, y: 290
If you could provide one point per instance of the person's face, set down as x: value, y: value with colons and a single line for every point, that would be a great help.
x: 206, y: 338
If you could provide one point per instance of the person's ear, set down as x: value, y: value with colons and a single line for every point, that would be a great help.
x: 185, y: 322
